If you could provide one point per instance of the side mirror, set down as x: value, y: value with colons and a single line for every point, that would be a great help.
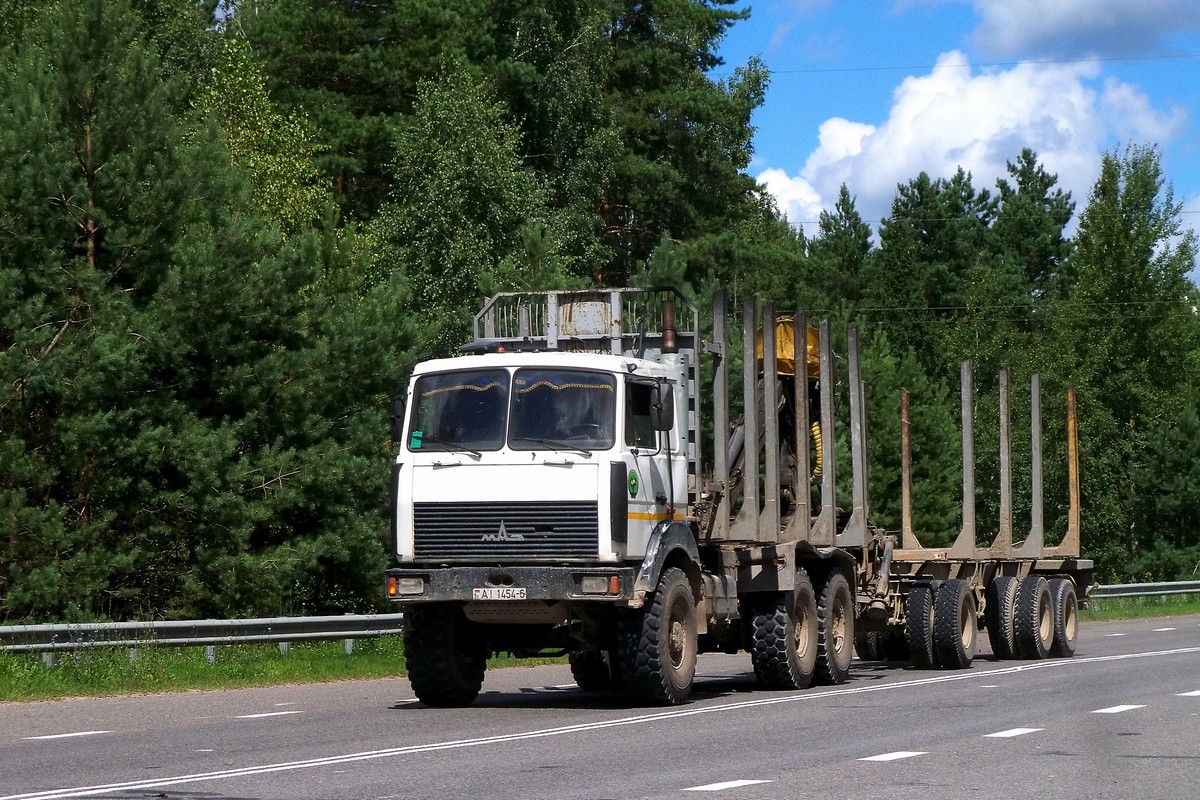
x: 662, y: 407
x: 398, y: 418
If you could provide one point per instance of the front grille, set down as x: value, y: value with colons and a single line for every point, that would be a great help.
x: 505, y: 530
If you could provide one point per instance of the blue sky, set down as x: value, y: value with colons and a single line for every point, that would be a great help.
x: 871, y: 92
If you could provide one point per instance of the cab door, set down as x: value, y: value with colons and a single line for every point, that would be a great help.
x: 649, y: 483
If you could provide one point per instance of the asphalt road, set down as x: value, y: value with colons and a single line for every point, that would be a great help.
x: 1120, y: 720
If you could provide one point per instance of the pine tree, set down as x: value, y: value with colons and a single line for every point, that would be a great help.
x: 1123, y: 332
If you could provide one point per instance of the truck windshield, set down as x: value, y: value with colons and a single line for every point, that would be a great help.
x: 459, y: 411
x: 562, y: 409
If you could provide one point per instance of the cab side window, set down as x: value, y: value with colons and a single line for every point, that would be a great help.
x: 639, y: 432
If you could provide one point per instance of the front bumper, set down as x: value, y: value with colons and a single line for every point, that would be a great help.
x: 442, y: 584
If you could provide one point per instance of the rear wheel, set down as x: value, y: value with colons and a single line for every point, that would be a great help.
x: 1035, y: 618
x: 999, y: 616
x: 783, y: 640
x: 835, y: 630
x: 445, y: 655
x: 955, y: 624
x: 1065, y: 604
x: 918, y: 629
x: 659, y: 644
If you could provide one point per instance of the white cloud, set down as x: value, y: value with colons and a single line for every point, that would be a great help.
x: 1081, y: 27
x: 953, y: 117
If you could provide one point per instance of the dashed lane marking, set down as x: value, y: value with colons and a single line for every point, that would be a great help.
x: 1011, y: 732
x: 717, y: 787
x: 65, y: 735
x: 567, y: 730
x: 1189, y: 694
x: 896, y: 756
x: 1110, y: 635
x: 268, y: 714
x: 1116, y: 709
x: 1161, y: 630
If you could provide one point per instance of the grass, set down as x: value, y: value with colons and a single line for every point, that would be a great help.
x: 112, y: 671
x: 1108, y: 608
x: 95, y: 672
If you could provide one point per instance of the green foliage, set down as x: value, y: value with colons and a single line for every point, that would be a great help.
x: 210, y: 229
x: 177, y: 437
x: 458, y: 223
x: 277, y: 150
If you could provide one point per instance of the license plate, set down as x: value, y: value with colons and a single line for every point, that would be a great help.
x: 499, y: 593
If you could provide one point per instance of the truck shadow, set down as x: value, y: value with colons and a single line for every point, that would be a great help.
x: 706, y: 688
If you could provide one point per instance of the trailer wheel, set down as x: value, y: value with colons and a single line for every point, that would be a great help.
x: 955, y: 624
x: 658, y: 646
x: 591, y: 670
x: 1065, y: 604
x: 835, y: 630
x: 918, y: 630
x: 783, y: 641
x: 999, y: 617
x: 446, y: 658
x: 1035, y: 618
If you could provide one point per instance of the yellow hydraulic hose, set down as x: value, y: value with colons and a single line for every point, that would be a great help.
x: 818, y: 463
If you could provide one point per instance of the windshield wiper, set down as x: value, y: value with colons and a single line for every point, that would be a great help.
x: 455, y: 446
x: 557, y: 445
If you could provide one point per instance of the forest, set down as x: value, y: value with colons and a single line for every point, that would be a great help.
x: 228, y: 231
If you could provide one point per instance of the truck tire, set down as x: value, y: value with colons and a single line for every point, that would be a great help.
x: 868, y: 645
x: 1035, y: 618
x: 783, y: 641
x: 999, y: 617
x: 918, y: 629
x: 955, y: 624
x: 446, y: 658
x: 1065, y: 605
x: 835, y: 630
x: 658, y: 644
x: 591, y: 670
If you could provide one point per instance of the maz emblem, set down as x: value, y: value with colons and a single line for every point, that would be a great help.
x: 503, y: 536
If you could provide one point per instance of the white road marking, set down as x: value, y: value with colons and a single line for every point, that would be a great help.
x: 66, y: 735
x: 1116, y: 709
x: 899, y: 754
x: 990, y: 686
x: 1161, y: 630
x: 716, y: 787
x: 267, y: 714
x: 204, y: 750
x: 1116, y: 634
x: 641, y: 719
x: 1189, y: 694
x: 277, y: 705
x: 1011, y: 732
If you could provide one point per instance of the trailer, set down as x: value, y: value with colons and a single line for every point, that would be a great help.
x: 551, y: 496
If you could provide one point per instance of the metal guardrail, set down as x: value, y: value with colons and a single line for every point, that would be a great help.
x: 1144, y: 589
x: 193, y: 633
x: 211, y: 632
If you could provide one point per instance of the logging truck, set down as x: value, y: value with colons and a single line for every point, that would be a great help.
x: 552, y: 495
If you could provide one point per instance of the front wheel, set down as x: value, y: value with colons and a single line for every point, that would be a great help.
x: 445, y: 656
x: 658, y: 645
